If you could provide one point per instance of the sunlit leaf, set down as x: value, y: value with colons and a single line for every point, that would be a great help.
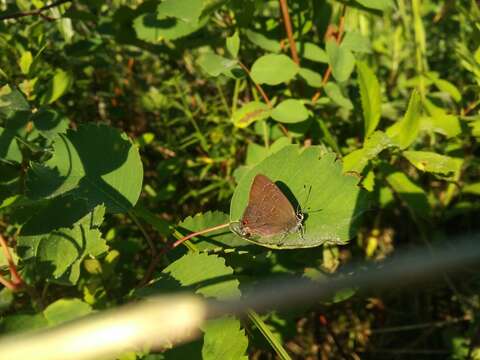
x: 273, y: 69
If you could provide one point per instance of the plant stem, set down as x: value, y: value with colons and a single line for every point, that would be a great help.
x: 288, y: 29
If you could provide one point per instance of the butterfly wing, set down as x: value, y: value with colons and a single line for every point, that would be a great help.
x: 268, y: 212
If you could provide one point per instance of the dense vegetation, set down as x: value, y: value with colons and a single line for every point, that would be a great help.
x: 127, y: 125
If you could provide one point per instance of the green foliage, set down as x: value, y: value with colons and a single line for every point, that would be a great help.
x: 273, y: 69
x: 371, y: 97
x: 119, y: 119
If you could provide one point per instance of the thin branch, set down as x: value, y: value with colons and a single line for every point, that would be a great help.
x: 338, y: 39
x: 156, y: 259
x: 259, y: 88
x: 33, y: 12
x: 204, y: 231
x: 288, y: 29
x: 16, y: 282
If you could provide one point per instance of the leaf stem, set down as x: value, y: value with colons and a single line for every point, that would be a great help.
x: 16, y: 283
x: 204, y: 231
x: 259, y: 88
x: 338, y: 38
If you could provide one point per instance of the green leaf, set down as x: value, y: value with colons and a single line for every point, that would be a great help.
x: 257, y: 153
x: 249, y: 113
x: 381, y: 5
x: 57, y: 86
x: 314, y: 179
x: 433, y: 162
x: 25, y: 62
x: 371, y: 97
x: 12, y: 101
x: 215, y: 240
x: 312, y: 52
x: 374, y: 145
x: 447, y: 86
x: 215, y: 65
x: 233, y: 44
x: 262, y: 41
x: 64, y: 310
x: 153, y: 30
x: 9, y: 149
x: 290, y: 111
x: 413, y: 196
x: 356, y: 42
x: 405, y: 131
x: 96, y: 162
x: 439, y: 121
x: 58, y: 251
x: 335, y: 94
x: 186, y: 10
x: 341, y: 60
x: 273, y: 69
x: 49, y: 123
x: 312, y: 78
x: 207, y: 274
x: 224, y: 339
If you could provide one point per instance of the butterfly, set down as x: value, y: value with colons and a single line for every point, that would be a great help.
x: 268, y: 213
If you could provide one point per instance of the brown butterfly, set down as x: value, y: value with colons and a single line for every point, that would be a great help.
x: 268, y: 212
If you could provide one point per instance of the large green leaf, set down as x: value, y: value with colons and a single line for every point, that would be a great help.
x: 331, y: 201
x: 95, y: 162
x: 405, y: 131
x: 371, y: 97
x: 273, y: 69
x: 209, y: 276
